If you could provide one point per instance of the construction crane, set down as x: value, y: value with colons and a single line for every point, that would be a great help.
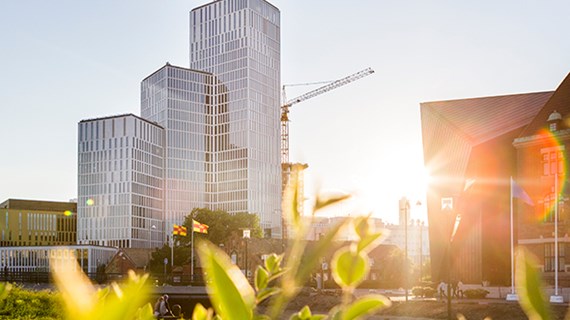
x: 288, y: 168
x: 285, y: 107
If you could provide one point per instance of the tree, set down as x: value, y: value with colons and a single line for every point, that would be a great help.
x: 220, y: 224
x: 181, y: 256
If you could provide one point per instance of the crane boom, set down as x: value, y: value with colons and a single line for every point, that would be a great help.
x: 311, y: 94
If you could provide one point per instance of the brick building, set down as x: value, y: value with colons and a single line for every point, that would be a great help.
x: 472, y: 147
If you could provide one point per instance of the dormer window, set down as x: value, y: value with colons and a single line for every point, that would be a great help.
x: 554, y: 120
x: 552, y: 127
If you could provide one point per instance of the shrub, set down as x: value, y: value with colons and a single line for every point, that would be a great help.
x: 24, y: 304
x: 418, y: 291
x: 429, y: 292
x: 475, y: 293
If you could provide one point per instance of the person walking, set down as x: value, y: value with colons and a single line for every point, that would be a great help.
x: 164, y: 309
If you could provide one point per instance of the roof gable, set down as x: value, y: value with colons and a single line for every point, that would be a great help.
x: 559, y: 101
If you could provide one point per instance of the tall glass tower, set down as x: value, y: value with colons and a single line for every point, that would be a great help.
x: 238, y: 41
x: 181, y: 100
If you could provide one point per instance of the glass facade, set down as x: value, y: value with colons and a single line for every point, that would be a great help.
x: 120, y: 182
x: 180, y: 100
x: 238, y: 41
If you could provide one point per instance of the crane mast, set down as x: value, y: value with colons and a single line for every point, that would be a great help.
x: 311, y: 94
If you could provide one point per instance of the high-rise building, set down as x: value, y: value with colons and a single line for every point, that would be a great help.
x: 182, y: 101
x: 238, y: 41
x: 120, y: 182
x: 210, y: 136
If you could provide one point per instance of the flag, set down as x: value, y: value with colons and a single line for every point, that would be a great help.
x: 199, y: 227
x: 518, y: 192
x: 179, y: 230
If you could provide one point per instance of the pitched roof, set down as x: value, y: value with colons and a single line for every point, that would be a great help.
x: 559, y: 101
x: 450, y: 129
x: 481, y: 119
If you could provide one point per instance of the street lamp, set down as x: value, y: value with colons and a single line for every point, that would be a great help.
x: 406, y: 207
x: 152, y: 228
x: 447, y: 206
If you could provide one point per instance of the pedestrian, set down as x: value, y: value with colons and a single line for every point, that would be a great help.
x: 442, y: 288
x: 460, y: 289
x: 156, y: 309
x: 165, y: 307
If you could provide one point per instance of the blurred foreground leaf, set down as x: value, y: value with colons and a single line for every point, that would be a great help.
x: 232, y: 296
x: 531, y: 297
x: 365, y: 306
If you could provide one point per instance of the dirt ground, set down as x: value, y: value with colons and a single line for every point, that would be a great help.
x: 471, y: 309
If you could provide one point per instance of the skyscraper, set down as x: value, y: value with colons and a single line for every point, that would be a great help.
x: 120, y: 182
x: 238, y: 41
x: 181, y: 100
x: 210, y: 136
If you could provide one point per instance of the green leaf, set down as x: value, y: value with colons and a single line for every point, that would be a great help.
x: 369, y: 242
x: 323, y: 202
x: 303, y: 314
x: 261, y: 278
x: 4, y: 289
x: 349, y: 267
x: 266, y: 293
x: 531, y: 297
x: 276, y: 275
x: 201, y: 313
x: 290, y: 202
x: 365, y: 305
x: 320, y: 250
x: 273, y: 263
x: 231, y: 295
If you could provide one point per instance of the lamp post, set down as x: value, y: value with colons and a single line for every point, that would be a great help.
x: 150, y: 230
x: 421, y: 226
x: 406, y: 222
x: 447, y: 206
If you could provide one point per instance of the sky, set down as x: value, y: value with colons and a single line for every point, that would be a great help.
x: 63, y: 61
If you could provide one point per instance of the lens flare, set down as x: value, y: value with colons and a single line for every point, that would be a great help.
x: 90, y: 202
x: 68, y: 213
x: 554, y: 170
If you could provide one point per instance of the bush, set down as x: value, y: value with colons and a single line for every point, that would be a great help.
x: 425, y: 292
x: 25, y: 304
x: 418, y: 291
x: 475, y: 293
x: 429, y: 292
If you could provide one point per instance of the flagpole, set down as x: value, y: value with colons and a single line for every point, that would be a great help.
x: 192, y: 256
x: 172, y: 250
x: 512, y: 296
x: 556, y: 234
x: 512, y: 244
x: 556, y: 298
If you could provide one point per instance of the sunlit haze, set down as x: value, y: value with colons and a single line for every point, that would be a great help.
x: 65, y: 61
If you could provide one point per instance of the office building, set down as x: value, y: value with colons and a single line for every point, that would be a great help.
x: 238, y: 41
x: 34, y: 223
x: 120, y: 182
x: 183, y: 101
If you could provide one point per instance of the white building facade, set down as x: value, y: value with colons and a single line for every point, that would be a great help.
x: 238, y: 41
x: 120, y: 182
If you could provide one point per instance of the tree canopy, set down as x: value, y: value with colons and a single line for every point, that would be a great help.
x: 221, y: 225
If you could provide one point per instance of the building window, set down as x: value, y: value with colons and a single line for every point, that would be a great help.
x: 549, y: 257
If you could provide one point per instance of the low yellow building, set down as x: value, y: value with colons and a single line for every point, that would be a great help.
x: 37, y: 223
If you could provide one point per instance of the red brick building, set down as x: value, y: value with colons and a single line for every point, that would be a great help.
x: 542, y: 150
x: 472, y: 147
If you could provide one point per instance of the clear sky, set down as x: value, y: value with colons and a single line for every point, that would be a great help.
x: 64, y: 61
